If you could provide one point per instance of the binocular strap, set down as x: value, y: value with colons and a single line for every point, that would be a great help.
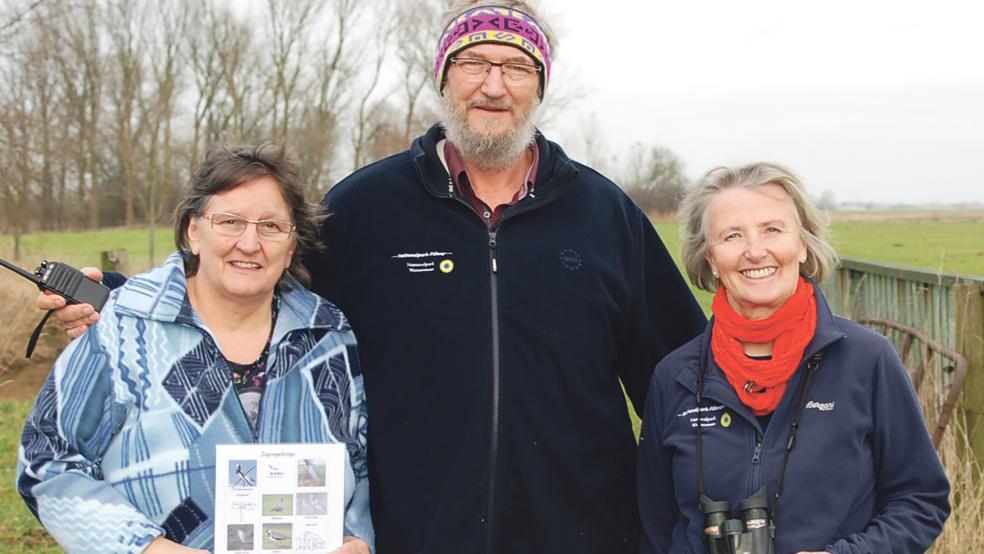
x: 811, y: 368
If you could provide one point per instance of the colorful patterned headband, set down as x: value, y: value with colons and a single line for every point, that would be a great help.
x: 492, y: 24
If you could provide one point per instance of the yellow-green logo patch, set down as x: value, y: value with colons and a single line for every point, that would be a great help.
x: 725, y: 419
x: 446, y: 266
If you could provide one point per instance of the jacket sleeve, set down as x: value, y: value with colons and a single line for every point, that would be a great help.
x: 663, y: 315
x: 64, y: 439
x: 912, y: 489
x: 358, y: 521
x: 114, y: 280
x: 658, y: 511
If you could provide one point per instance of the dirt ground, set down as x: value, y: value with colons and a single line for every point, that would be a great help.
x: 22, y: 378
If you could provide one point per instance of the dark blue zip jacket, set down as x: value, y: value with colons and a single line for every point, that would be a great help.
x: 862, y: 475
x: 492, y: 358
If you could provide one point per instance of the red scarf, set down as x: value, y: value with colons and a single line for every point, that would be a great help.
x: 760, y: 383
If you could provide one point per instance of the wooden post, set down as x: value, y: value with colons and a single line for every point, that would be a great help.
x: 970, y: 343
x: 113, y: 260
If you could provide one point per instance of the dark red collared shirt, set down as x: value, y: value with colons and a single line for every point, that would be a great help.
x: 462, y: 183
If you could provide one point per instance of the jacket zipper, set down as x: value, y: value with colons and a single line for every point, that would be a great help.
x: 494, y: 440
x: 494, y: 427
x: 756, y: 462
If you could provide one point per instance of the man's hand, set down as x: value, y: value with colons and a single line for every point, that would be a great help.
x: 77, y: 318
x: 353, y: 545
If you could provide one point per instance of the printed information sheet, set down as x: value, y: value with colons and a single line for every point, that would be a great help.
x: 278, y: 498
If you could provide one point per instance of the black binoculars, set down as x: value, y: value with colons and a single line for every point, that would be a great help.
x: 752, y: 533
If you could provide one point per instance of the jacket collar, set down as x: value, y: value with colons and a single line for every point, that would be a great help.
x: 554, y: 170
x: 161, y: 294
x: 827, y: 332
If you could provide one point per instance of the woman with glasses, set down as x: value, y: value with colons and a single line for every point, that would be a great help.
x: 222, y: 344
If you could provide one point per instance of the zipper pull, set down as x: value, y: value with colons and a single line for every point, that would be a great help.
x: 495, y: 262
x: 757, y: 455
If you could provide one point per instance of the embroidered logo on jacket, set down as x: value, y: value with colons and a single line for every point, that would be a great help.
x: 822, y: 406
x: 708, y: 416
x: 571, y: 259
x: 426, y: 262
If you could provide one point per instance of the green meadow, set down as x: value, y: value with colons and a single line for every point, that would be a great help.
x: 948, y: 247
x: 941, y: 244
x: 83, y: 247
x: 937, y: 244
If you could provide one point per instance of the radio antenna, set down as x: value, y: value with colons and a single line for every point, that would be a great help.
x: 29, y: 276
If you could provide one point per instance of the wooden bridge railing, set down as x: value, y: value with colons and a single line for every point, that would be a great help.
x: 942, y: 312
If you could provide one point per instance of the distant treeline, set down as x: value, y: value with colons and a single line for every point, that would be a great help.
x: 107, y: 105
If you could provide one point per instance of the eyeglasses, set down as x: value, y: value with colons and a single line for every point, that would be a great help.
x: 232, y: 225
x: 477, y: 70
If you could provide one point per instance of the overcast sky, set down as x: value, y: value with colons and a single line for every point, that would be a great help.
x: 874, y: 100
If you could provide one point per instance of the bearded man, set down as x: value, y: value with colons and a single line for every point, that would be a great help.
x: 499, y: 291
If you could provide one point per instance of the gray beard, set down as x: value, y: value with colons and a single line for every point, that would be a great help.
x: 480, y: 147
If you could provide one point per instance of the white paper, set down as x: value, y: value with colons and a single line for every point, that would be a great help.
x: 279, y: 498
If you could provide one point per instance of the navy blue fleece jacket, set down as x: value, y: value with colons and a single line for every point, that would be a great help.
x: 862, y: 476
x: 492, y: 357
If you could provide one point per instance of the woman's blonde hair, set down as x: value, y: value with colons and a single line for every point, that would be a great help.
x: 820, y: 259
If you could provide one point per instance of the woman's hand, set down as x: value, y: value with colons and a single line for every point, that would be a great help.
x: 160, y: 545
x: 353, y: 545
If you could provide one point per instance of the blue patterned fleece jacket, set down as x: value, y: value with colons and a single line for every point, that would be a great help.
x: 120, y: 446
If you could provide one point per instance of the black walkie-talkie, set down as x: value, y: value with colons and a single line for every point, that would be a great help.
x: 65, y: 281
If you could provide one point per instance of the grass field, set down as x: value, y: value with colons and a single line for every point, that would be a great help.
x: 951, y: 247
x: 83, y: 247
x: 19, y: 531
x: 935, y: 242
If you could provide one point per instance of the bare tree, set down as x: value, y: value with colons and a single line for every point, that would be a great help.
x: 108, y: 105
x: 388, y: 135
x: 18, y: 171
x: 316, y: 136
x: 654, y: 177
x: 415, y: 57
x: 170, y: 21
x: 290, y: 25
x: 79, y: 57
x: 46, y: 116
x: 14, y: 14
x: 827, y: 201
x: 125, y: 76
x: 365, y: 126
x: 246, y: 97
x: 204, y: 38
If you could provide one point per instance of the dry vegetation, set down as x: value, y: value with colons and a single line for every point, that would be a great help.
x: 962, y: 533
x: 962, y: 530
x: 19, y: 377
